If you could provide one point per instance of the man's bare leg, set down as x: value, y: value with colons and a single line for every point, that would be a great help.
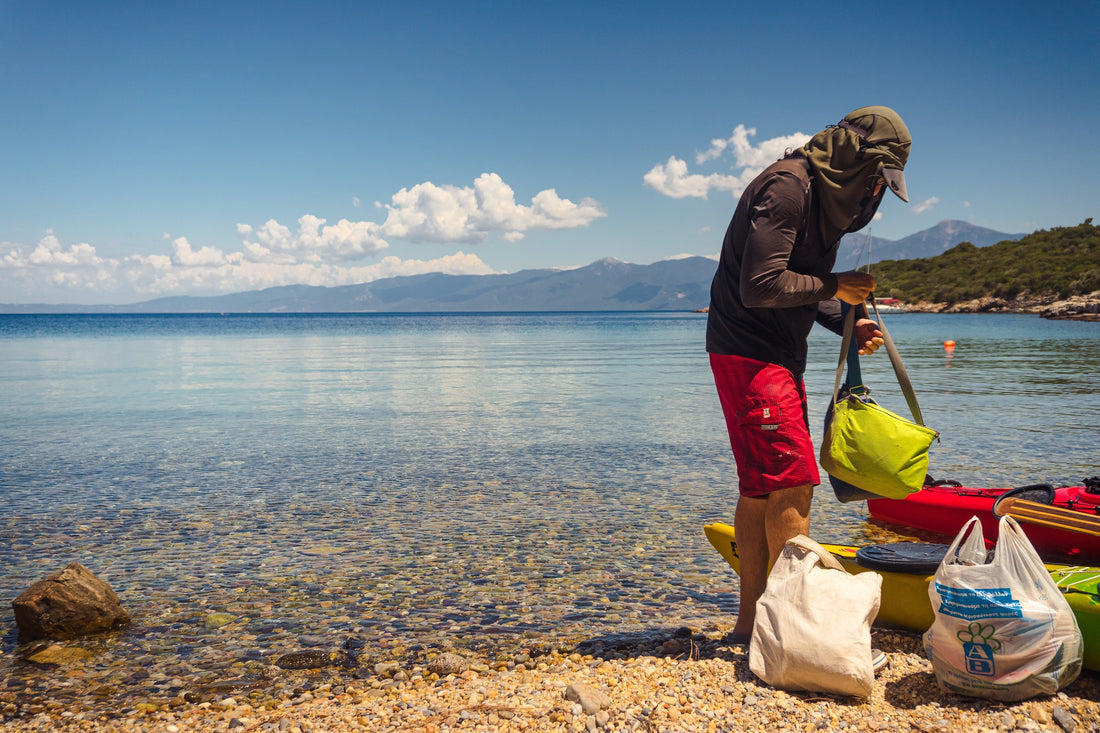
x: 788, y: 515
x: 749, y: 525
x: 762, y: 526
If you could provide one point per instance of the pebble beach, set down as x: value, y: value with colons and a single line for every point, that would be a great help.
x: 670, y: 680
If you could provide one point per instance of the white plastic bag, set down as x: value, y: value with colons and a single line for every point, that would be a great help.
x: 813, y: 623
x: 1002, y: 629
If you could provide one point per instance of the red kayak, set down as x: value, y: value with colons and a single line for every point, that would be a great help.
x: 944, y: 507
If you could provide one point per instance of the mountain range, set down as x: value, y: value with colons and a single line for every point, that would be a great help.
x: 853, y: 252
x: 605, y: 285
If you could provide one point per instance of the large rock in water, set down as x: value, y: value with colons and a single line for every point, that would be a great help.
x: 70, y: 603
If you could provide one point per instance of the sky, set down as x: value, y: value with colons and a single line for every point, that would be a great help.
x: 199, y: 148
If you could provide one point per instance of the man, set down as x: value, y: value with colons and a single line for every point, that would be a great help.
x: 774, y: 280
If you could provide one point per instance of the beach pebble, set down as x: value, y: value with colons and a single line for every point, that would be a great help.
x: 1064, y: 720
x: 447, y: 664
x: 387, y: 669
x: 589, y: 698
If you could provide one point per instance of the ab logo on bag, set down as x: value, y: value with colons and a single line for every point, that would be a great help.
x: 978, y: 649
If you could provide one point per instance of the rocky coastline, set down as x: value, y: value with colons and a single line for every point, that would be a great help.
x: 1077, y: 307
x: 1074, y: 308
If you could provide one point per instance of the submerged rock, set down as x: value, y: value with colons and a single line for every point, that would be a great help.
x: 70, y: 603
x: 218, y: 620
x: 59, y: 655
x: 304, y: 660
x: 315, y: 660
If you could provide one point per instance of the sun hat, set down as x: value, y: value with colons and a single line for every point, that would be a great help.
x: 847, y: 158
x: 883, y: 128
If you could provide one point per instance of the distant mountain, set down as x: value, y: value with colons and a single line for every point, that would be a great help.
x: 928, y: 243
x: 604, y: 285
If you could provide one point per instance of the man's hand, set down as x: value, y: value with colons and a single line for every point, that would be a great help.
x: 854, y: 287
x: 867, y: 336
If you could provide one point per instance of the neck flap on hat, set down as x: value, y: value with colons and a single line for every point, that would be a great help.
x: 844, y: 157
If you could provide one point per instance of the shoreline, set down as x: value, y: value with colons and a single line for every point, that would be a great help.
x: 654, y: 681
x: 1075, y: 308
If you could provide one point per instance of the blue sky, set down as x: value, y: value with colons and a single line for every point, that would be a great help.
x: 205, y: 147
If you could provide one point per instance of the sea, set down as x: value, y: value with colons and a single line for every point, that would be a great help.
x: 255, y: 485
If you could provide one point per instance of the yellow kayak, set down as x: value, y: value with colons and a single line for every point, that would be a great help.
x: 905, y: 603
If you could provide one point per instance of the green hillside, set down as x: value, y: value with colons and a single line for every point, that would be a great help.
x: 1063, y: 261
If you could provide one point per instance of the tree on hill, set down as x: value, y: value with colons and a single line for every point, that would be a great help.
x: 1058, y: 262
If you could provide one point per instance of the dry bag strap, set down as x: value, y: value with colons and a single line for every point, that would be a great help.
x: 895, y: 361
x: 899, y: 368
x: 845, y: 344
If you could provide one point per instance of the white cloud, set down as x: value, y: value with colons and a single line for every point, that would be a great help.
x: 153, y: 276
x: 673, y: 179
x: 50, y: 266
x: 343, y: 241
x: 745, y: 155
x: 925, y: 205
x: 205, y: 257
x: 430, y: 213
x: 49, y: 252
x: 315, y: 252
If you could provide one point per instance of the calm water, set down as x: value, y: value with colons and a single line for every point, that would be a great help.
x: 403, y: 478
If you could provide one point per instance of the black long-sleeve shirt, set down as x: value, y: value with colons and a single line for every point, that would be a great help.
x: 774, y: 277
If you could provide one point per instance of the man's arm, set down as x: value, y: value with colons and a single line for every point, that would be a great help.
x: 777, y: 214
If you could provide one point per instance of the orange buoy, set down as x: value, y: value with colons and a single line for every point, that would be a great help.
x: 949, y: 345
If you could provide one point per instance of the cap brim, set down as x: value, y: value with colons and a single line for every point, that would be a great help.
x: 895, y: 179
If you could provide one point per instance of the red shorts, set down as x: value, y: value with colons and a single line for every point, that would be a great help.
x: 765, y: 409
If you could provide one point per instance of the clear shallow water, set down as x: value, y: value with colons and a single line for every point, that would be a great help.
x: 477, y: 478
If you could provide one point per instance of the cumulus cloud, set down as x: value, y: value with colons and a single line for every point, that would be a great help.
x: 187, y: 257
x: 207, y: 269
x: 430, y: 213
x: 343, y: 241
x: 925, y: 205
x: 312, y: 251
x: 51, y: 264
x: 49, y: 252
x: 746, y: 160
x: 672, y: 179
x: 158, y: 275
x: 745, y: 154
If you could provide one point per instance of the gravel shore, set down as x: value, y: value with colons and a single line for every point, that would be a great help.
x: 696, y: 682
